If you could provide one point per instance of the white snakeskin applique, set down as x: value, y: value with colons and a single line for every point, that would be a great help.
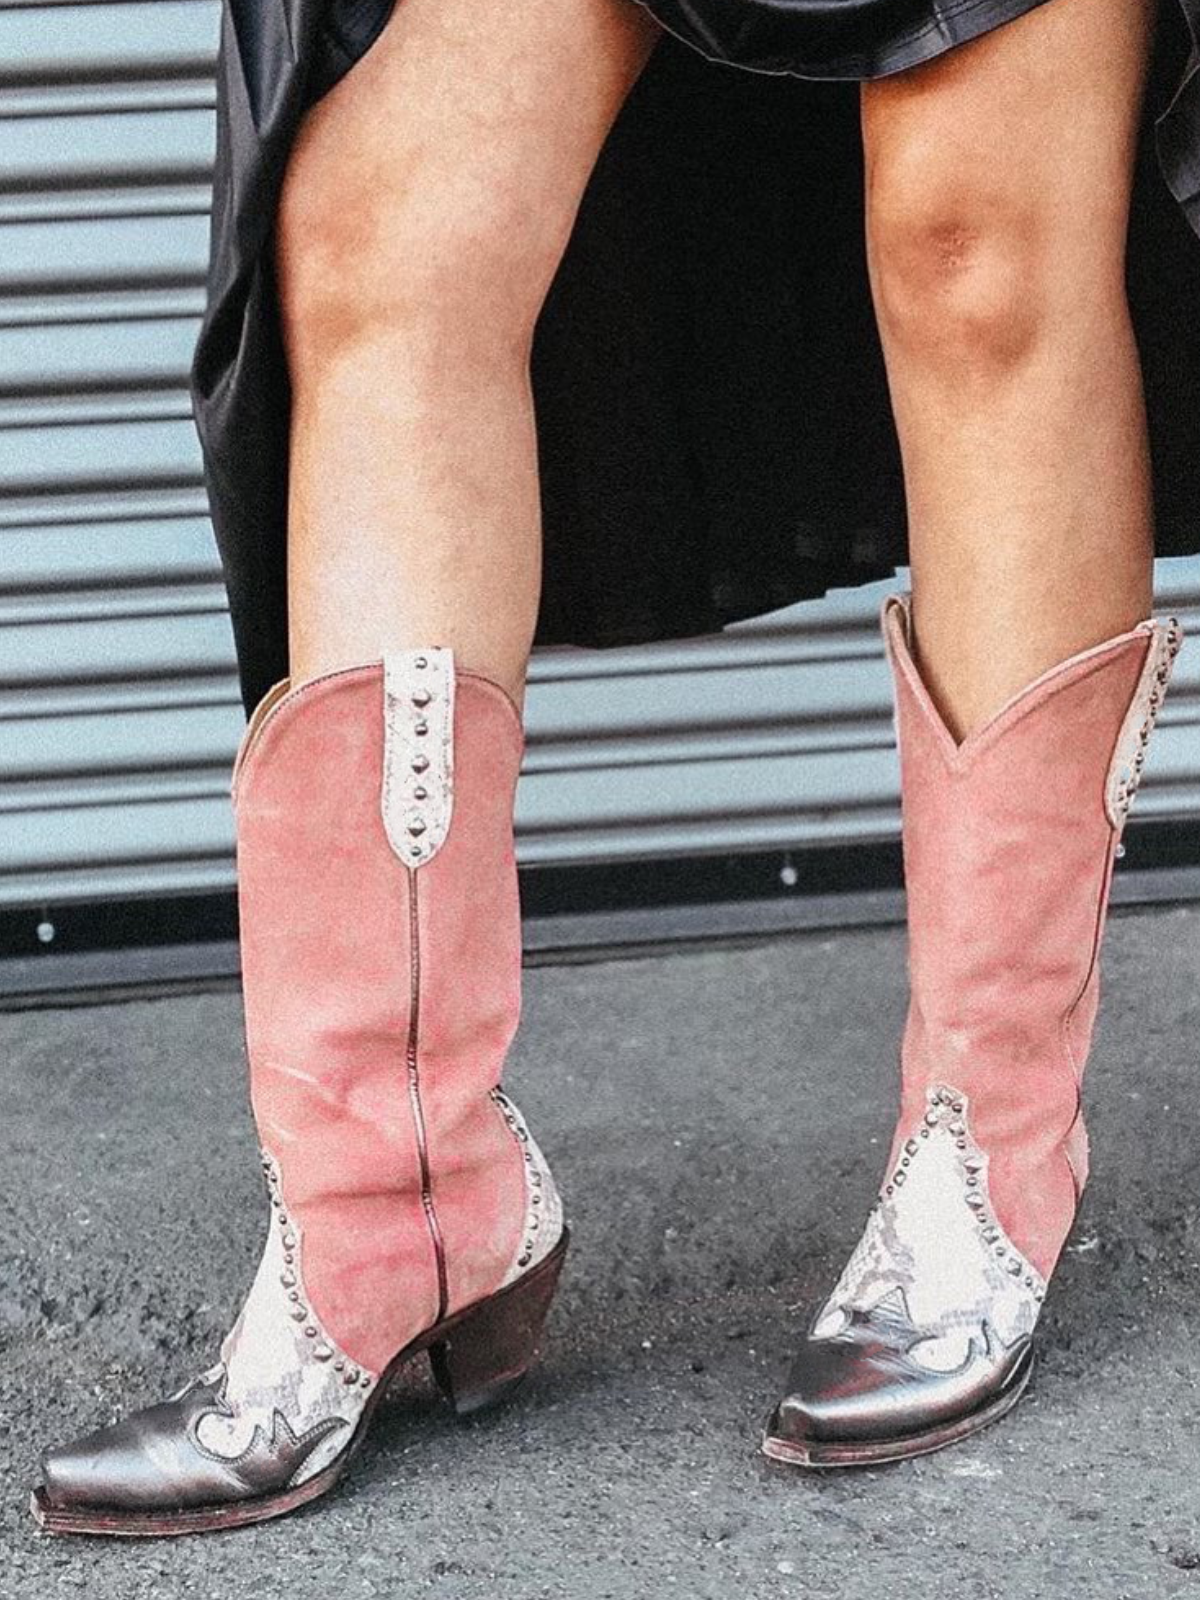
x: 543, y: 1225
x: 418, y: 754
x: 933, y: 1248
x: 279, y: 1362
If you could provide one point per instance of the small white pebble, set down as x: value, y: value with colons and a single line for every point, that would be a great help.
x: 974, y: 1469
x: 785, y: 1567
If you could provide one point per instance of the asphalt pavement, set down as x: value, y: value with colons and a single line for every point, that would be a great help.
x: 718, y: 1119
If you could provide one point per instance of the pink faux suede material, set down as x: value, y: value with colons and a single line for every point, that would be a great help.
x: 327, y: 972
x: 1008, y: 855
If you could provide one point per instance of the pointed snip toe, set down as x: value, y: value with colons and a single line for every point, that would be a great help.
x: 151, y: 1475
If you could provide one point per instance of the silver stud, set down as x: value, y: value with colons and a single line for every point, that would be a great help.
x: 420, y: 792
x: 288, y: 1279
x: 289, y: 1241
x: 958, y: 1129
x: 898, y: 1178
x: 932, y: 1118
x: 421, y: 728
x: 366, y: 1382
x: 322, y: 1352
x: 420, y: 763
x: 421, y: 663
x: 911, y: 1146
x: 417, y: 827
x: 924, y: 1133
x: 975, y: 1201
x: 310, y: 1332
x: 351, y: 1375
x: 416, y: 850
x: 421, y: 697
x: 1014, y: 1268
x: 294, y: 1296
x: 299, y: 1314
x: 339, y: 1365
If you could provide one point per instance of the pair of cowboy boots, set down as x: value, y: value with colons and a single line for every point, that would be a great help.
x: 412, y: 1211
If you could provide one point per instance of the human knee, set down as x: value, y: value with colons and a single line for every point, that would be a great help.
x: 963, y: 266
x: 432, y: 269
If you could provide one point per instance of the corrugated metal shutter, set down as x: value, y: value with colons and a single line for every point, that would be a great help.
x: 118, y: 707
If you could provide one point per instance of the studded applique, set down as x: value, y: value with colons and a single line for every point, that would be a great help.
x: 1129, y: 755
x: 418, y: 756
x: 543, y: 1225
x: 933, y: 1250
x: 279, y: 1365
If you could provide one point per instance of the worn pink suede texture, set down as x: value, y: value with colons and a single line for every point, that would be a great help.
x: 1008, y: 854
x: 327, y: 965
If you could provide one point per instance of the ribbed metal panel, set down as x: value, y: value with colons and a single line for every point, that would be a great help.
x: 118, y: 706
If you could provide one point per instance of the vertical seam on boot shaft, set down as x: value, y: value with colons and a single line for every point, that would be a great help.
x: 413, y: 1070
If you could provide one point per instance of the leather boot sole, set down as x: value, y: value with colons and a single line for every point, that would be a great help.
x: 819, y: 1455
x: 478, y: 1356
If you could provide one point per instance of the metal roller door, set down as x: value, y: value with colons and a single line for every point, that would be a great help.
x: 118, y: 708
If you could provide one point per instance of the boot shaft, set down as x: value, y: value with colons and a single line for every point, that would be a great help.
x: 1009, y: 842
x: 381, y: 952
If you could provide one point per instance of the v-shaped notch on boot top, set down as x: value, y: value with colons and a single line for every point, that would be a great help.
x: 1157, y: 642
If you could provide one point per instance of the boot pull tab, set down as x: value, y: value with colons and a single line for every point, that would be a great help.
x: 418, y: 756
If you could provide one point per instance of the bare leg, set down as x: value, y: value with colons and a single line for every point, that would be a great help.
x: 998, y: 193
x: 427, y: 205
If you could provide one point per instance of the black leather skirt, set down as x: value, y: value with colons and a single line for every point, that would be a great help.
x: 715, y: 434
x: 831, y: 38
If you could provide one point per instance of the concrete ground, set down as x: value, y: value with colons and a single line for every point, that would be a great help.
x: 718, y: 1119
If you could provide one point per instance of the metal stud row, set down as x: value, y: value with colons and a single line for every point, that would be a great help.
x: 319, y: 1347
x: 417, y: 823
x: 946, y: 1107
x: 1131, y: 772
x: 521, y: 1133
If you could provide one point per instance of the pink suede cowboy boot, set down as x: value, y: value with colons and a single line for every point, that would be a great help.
x: 411, y: 1210
x: 1009, y: 840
